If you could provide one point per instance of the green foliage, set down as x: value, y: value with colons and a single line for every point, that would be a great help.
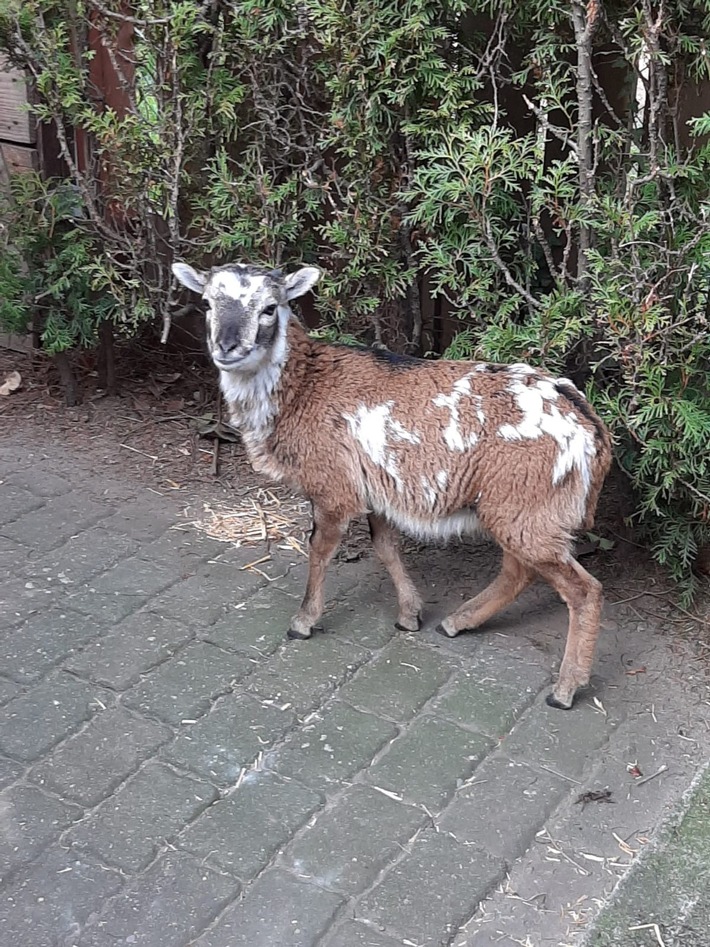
x: 408, y: 147
x: 48, y: 268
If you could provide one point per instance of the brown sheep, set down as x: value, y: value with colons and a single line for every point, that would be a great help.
x: 433, y: 448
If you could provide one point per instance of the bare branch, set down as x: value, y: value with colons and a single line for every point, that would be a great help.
x: 503, y: 267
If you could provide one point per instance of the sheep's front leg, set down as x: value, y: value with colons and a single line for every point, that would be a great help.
x: 328, y: 530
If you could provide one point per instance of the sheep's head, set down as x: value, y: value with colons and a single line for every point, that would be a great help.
x: 247, y: 307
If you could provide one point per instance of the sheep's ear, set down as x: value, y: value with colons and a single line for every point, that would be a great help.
x: 193, y: 279
x: 298, y: 283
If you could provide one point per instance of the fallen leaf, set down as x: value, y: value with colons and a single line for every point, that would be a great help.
x: 209, y: 426
x: 11, y: 383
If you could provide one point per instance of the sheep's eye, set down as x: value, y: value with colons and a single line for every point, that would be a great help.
x: 270, y: 310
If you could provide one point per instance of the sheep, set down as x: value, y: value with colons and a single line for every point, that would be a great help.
x: 433, y: 448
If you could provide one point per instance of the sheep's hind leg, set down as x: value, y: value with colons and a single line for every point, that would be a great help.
x: 384, y: 539
x: 328, y: 530
x: 513, y: 578
x: 582, y: 594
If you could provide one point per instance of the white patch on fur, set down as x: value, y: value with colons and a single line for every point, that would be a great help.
x: 442, y: 478
x: 430, y: 494
x: 576, y: 444
x: 250, y: 393
x: 519, y: 368
x: 452, y: 434
x: 229, y: 284
x: 375, y: 430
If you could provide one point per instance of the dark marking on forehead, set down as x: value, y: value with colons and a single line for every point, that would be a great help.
x: 494, y: 369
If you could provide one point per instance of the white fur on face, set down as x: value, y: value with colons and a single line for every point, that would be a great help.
x: 234, y: 285
x: 250, y: 394
x: 454, y: 437
x: 576, y: 444
x: 376, y: 431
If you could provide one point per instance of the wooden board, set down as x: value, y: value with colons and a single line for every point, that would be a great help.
x: 16, y: 124
x: 19, y: 157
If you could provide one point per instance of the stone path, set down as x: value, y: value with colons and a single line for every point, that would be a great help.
x: 174, y: 772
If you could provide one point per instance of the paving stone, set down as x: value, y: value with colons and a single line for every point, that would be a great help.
x: 89, y: 765
x: 564, y: 741
x: 351, y: 842
x: 36, y: 720
x: 8, y: 690
x: 214, y: 592
x: 242, y: 832
x: 21, y: 598
x: 356, y: 617
x: 183, y: 687
x: 352, y: 934
x: 29, y: 651
x: 492, y: 691
x: 668, y: 887
x: 29, y: 820
x: 134, y: 576
x: 130, y: 649
x: 435, y: 887
x: 14, y: 555
x: 304, y: 673
x: 151, y: 807
x: 51, y: 900
x: 171, y: 904
x: 80, y: 558
x: 398, y: 681
x: 183, y: 551
x: 57, y: 520
x: 10, y: 771
x: 278, y: 911
x: 427, y: 763
x: 107, y: 608
x: 143, y: 518
x: 43, y: 483
x: 14, y: 502
x: 230, y: 737
x: 476, y: 816
x: 332, y: 745
x: 261, y: 625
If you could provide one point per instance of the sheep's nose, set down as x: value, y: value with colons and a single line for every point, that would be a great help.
x: 233, y: 349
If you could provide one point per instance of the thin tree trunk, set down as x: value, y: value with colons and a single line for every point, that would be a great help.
x: 106, y: 364
x: 71, y: 389
x: 584, y: 17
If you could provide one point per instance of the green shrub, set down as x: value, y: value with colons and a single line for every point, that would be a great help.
x: 49, y: 277
x: 525, y: 160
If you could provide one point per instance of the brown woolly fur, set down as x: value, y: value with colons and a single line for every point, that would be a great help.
x: 433, y: 448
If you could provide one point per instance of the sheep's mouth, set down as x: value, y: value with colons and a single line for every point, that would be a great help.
x: 234, y: 363
x: 228, y: 364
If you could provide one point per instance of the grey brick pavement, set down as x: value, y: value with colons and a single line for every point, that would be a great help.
x: 174, y: 772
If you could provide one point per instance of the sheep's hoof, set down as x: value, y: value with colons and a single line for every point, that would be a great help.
x: 441, y: 629
x: 415, y: 625
x: 299, y: 635
x: 553, y: 701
